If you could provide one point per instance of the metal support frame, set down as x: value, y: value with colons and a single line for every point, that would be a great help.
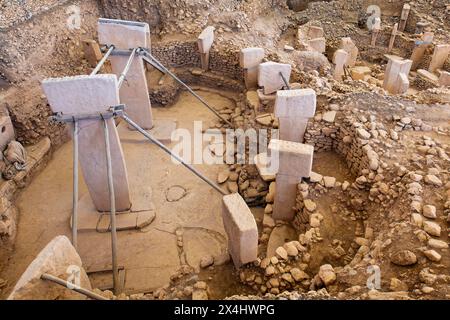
x: 71, y: 286
x: 124, y: 116
x: 102, y: 62
x: 127, y: 68
x: 158, y: 65
x: 75, y: 186
x: 286, y: 83
x: 112, y: 200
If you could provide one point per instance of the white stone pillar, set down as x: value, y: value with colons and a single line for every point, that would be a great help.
x: 86, y: 95
x: 241, y: 229
x: 440, y: 55
x: 340, y: 59
x: 404, y: 16
x: 294, y: 163
x: 392, y: 39
x: 125, y: 35
x: 205, y: 41
x: 375, y: 31
x: 249, y: 60
x: 269, y: 76
x: 396, y: 75
x: 349, y: 46
x: 294, y: 108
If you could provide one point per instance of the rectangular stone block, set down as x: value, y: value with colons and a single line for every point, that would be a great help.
x: 349, y: 46
x: 293, y: 158
x: 393, y: 82
x: 340, y: 59
x: 298, y: 103
x: 92, y: 52
x: 6, y: 132
x: 317, y: 44
x: 134, y: 91
x: 440, y: 54
x: 251, y: 78
x: 123, y: 34
x: 269, y: 76
x: 206, y: 39
x: 444, y: 79
x: 251, y: 57
x: 315, y: 32
x: 241, y: 229
x: 86, y: 95
x: 285, y: 197
x: 292, y: 129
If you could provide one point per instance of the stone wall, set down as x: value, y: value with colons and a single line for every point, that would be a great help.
x: 346, y: 136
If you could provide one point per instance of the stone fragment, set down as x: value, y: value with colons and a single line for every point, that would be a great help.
x: 327, y: 274
x: 403, y: 258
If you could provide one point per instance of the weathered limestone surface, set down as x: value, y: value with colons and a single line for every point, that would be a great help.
x: 285, y: 197
x: 89, y: 94
x: 6, y: 132
x: 92, y: 52
x: 124, y: 34
x: 349, y: 46
x: 444, y: 79
x: 249, y: 60
x: 404, y: 16
x: 340, y: 59
x: 396, y: 75
x: 269, y: 76
x: 392, y: 39
x: 241, y: 229
x: 134, y: 91
x: 205, y: 41
x: 293, y: 108
x: 59, y: 258
x: 440, y: 54
x: 294, y: 159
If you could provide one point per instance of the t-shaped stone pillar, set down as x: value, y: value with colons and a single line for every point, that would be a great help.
x: 205, y: 41
x: 125, y: 35
x: 340, y: 59
x: 241, y: 229
x: 349, y: 46
x: 87, y: 95
x: 396, y: 75
x: 404, y: 16
x: 249, y: 60
x: 440, y: 55
x: 294, y: 162
x: 269, y: 76
x: 293, y: 108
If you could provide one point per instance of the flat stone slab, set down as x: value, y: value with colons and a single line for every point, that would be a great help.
x: 269, y: 76
x: 57, y: 258
x: 300, y: 103
x: 241, y: 229
x: 141, y: 214
x: 262, y: 163
x: 294, y: 158
x: 123, y: 34
x: 251, y: 57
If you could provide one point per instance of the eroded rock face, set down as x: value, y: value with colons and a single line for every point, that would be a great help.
x: 59, y: 258
x: 404, y: 258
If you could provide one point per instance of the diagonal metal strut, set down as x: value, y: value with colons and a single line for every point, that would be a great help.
x: 147, y: 57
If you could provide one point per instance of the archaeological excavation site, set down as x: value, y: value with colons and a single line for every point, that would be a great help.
x: 224, y: 150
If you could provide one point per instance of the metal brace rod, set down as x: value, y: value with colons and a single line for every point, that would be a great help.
x: 162, y: 68
x: 153, y: 64
x: 102, y: 62
x: 127, y: 68
x: 75, y: 186
x: 112, y: 200
x: 167, y: 150
x: 286, y: 83
x: 70, y: 286
x: 68, y: 118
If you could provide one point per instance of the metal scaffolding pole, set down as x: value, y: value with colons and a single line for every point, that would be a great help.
x: 158, y: 65
x: 127, y: 68
x: 75, y: 186
x: 102, y: 62
x: 286, y: 83
x: 112, y: 200
x: 70, y: 286
x: 167, y: 150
